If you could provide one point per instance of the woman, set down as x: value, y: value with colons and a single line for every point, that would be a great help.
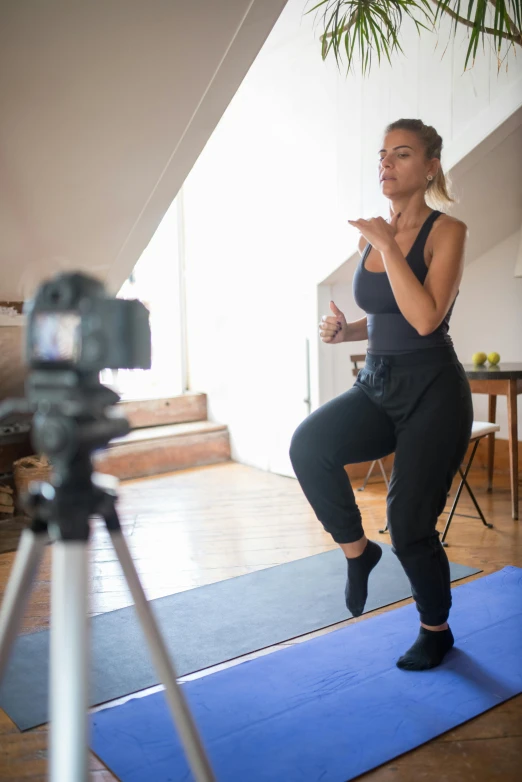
x: 411, y: 398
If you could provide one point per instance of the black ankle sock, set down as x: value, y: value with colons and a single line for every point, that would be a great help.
x: 428, y: 650
x: 359, y: 569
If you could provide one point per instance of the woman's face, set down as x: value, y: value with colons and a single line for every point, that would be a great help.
x: 403, y: 166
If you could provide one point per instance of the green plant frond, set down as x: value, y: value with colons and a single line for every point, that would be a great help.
x: 509, y: 14
x: 472, y: 48
x: 349, y: 47
x: 373, y: 26
x: 390, y: 27
x: 315, y: 7
x: 443, y: 6
x: 420, y: 25
x: 381, y: 47
x: 499, y: 23
x: 515, y: 12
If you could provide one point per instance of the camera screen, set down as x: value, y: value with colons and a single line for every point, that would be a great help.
x: 56, y: 336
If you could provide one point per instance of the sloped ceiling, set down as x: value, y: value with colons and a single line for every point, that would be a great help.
x: 488, y: 183
x: 105, y: 106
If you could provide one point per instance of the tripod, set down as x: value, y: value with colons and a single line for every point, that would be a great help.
x: 60, y: 514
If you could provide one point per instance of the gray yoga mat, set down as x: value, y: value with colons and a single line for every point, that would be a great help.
x: 203, y: 627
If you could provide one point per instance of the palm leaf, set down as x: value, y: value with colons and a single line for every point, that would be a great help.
x: 373, y: 26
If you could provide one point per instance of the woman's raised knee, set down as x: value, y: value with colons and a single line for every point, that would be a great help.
x: 299, y: 445
x: 305, y: 449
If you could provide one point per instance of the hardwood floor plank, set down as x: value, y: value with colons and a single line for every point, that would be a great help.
x: 455, y: 761
x: 207, y: 524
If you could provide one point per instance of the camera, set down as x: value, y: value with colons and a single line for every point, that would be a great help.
x: 72, y: 324
x: 74, y: 330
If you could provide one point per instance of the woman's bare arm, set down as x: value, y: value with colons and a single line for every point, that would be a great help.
x: 334, y: 329
x: 358, y: 329
x: 425, y: 306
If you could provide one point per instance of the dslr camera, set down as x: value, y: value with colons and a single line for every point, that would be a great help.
x: 74, y: 330
x: 74, y: 325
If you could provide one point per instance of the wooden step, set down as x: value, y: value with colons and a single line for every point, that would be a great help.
x: 162, y: 449
x: 157, y: 412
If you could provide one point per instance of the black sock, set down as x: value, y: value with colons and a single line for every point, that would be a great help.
x: 428, y: 650
x: 359, y: 569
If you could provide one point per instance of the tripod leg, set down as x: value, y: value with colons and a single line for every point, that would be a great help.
x: 28, y: 557
x: 68, y: 735
x: 182, y: 717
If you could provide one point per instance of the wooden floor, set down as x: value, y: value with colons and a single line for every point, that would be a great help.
x: 203, y: 525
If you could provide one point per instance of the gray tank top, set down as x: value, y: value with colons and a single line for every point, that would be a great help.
x: 388, y: 330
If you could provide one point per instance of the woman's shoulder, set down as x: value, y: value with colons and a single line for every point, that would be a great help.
x: 447, y: 231
x: 447, y: 224
x: 447, y: 234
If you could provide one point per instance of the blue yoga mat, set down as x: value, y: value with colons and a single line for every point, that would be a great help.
x: 203, y: 627
x: 334, y: 707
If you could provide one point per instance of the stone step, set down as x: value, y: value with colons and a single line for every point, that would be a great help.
x: 161, y: 449
x: 173, y: 410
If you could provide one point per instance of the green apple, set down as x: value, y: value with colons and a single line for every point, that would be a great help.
x: 479, y: 358
x: 493, y: 358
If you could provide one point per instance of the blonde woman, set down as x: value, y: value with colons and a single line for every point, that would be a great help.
x: 411, y: 398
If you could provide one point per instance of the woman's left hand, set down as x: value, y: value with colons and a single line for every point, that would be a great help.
x: 377, y: 231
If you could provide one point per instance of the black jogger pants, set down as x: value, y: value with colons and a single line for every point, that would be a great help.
x: 418, y: 406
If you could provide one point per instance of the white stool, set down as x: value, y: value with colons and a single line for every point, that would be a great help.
x: 383, y: 471
x: 479, y: 430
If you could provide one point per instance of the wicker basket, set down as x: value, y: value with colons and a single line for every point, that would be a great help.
x: 6, y: 501
x: 27, y: 469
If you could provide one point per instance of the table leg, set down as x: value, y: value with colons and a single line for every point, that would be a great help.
x: 492, y: 418
x: 513, y: 444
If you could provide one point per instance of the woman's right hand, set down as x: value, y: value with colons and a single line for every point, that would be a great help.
x: 333, y: 328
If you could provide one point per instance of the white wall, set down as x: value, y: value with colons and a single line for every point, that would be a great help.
x: 266, y: 204
x: 157, y: 282
x: 262, y: 206
x: 518, y: 266
x: 488, y: 317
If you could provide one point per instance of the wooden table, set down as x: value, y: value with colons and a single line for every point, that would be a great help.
x: 502, y: 380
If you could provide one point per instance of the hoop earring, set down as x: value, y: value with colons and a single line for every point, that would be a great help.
x: 429, y: 177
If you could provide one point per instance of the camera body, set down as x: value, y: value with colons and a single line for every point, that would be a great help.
x: 73, y: 325
x: 74, y: 330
